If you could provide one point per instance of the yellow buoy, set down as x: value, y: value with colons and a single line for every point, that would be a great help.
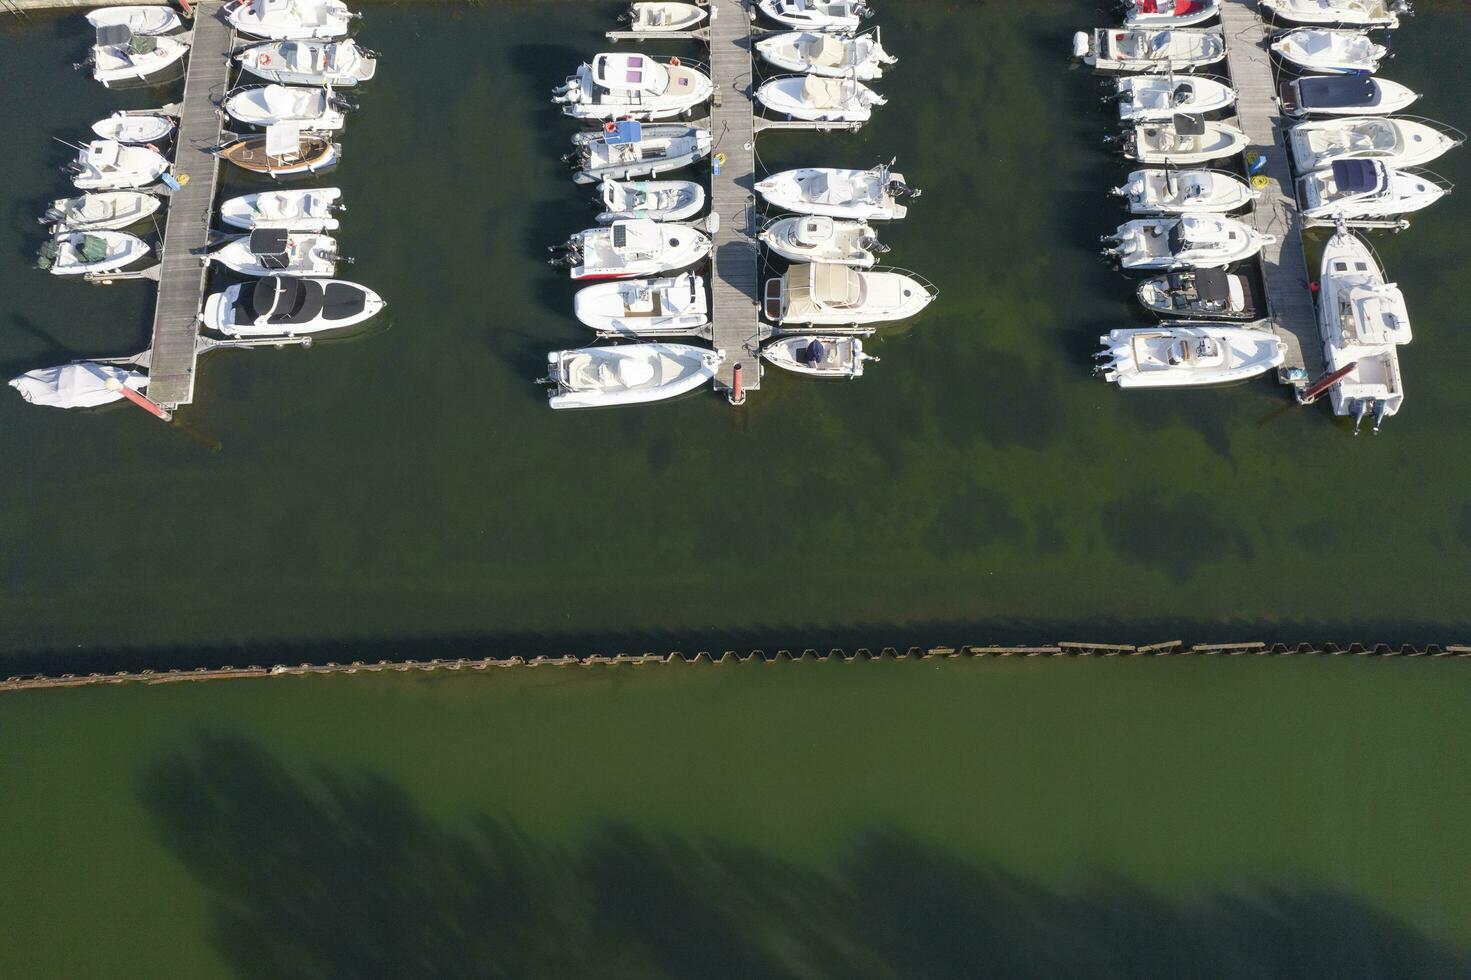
x: 1260, y: 181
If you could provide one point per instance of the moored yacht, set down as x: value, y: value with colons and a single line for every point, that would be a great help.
x: 1329, y: 51
x: 80, y: 384
x: 289, y: 306
x: 818, y: 15
x: 830, y: 54
x: 283, y: 151
x: 663, y: 17
x: 635, y: 247
x: 107, y: 165
x: 135, y: 127
x: 646, y: 307
x: 152, y: 19
x: 1349, y: 13
x: 300, y: 210
x: 1158, y: 97
x: 632, y: 86
x: 1178, y: 355
x: 312, y: 109
x: 1191, y: 241
x: 75, y: 253
x: 837, y: 296
x: 867, y: 195
x: 822, y: 240
x: 1199, y: 294
x: 1365, y: 189
x: 1169, y: 191
x: 1394, y: 141
x: 339, y: 63
x: 121, y: 57
x: 818, y: 356
x: 1148, y: 50
x: 658, y: 200
x: 1351, y: 95
x: 627, y: 374
x: 633, y: 149
x: 100, y: 211
x: 818, y: 99
x: 267, y: 251
x: 283, y: 20
x: 1185, y: 139
x: 1169, y: 13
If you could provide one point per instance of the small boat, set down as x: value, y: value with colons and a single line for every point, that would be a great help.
x: 1365, y: 189
x: 632, y: 86
x: 305, y: 210
x: 107, y: 165
x: 633, y: 149
x: 76, y: 253
x: 819, y: 99
x: 631, y: 247
x: 627, y: 374
x: 1154, y: 191
x: 819, y: 15
x: 839, y: 296
x: 1362, y: 320
x: 657, y: 200
x: 101, y: 211
x: 1349, y: 13
x: 645, y: 307
x: 1199, y: 294
x: 295, y: 20
x: 835, y: 356
x: 867, y: 195
x: 1352, y: 95
x: 1330, y: 52
x: 832, y: 55
x: 80, y: 384
x: 267, y: 251
x: 288, y: 306
x: 1396, y: 142
x: 1184, y: 355
x: 135, y: 127
x: 1148, y: 50
x: 339, y: 63
x: 1148, y: 98
x: 139, y: 20
x: 283, y: 151
x: 1169, y: 13
x: 662, y: 18
x: 1191, y: 241
x: 1183, y: 140
x: 121, y: 57
x: 312, y: 109
x: 822, y: 240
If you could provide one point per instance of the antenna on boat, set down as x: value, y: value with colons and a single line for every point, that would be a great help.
x: 75, y: 146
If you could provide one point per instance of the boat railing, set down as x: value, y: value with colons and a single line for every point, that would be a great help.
x: 1424, y: 173
x: 924, y: 283
x: 1444, y: 129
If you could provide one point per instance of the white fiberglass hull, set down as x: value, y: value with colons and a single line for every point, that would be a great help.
x: 134, y: 127
x: 1149, y: 98
x: 1405, y: 193
x: 1394, y: 142
x: 114, y: 67
x: 1191, y: 241
x: 828, y: 241
x: 101, y: 211
x: 657, y: 200
x: 826, y: 54
x: 1187, y: 355
x: 875, y: 296
x: 687, y: 90
x: 819, y: 100
x: 128, y: 167
x: 1330, y: 52
x: 299, y: 210
x: 663, y: 148
x: 659, y: 16
x: 865, y: 195
x: 834, y: 356
x: 1109, y: 49
x: 229, y: 313
x: 629, y: 374
x: 313, y: 19
x: 1158, y: 191
x: 139, y: 20
x: 269, y: 105
x: 1363, y: 322
x: 1359, y: 96
x: 1185, y: 13
x: 308, y: 254
x: 646, y: 307
x: 122, y: 250
x: 1162, y: 144
x: 598, y: 257
x: 818, y: 15
x: 1348, y: 13
x: 339, y: 63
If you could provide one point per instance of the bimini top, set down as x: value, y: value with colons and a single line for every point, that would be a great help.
x: 1336, y: 92
x: 1189, y: 124
x: 835, y: 285
x: 113, y: 35
x: 1358, y: 176
x: 286, y: 299
x: 629, y: 73
x: 269, y: 241
x: 1213, y: 286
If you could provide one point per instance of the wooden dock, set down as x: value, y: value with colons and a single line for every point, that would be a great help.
x: 1284, y: 266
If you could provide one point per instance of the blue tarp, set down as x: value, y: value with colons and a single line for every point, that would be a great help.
x: 627, y: 131
x: 1355, y: 176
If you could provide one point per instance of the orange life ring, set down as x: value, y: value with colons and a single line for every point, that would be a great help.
x: 610, y: 127
x: 265, y: 59
x: 675, y: 62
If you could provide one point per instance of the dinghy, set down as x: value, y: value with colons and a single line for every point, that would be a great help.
x: 832, y: 55
x: 819, y: 99
x: 1199, y: 294
x: 818, y: 15
x: 107, y: 165
x: 312, y: 109
x: 139, y: 20
x: 867, y: 195
x: 1349, y: 13
x: 1354, y: 95
x: 646, y: 307
x: 1183, y: 140
x: 822, y: 240
x: 1169, y: 13
x: 80, y: 384
x: 1177, y: 191
x: 1181, y: 355
x: 632, y: 149
x: 647, y: 16
x: 102, y: 211
x: 1330, y: 52
x: 283, y: 151
x: 288, y: 306
x: 1365, y: 189
x: 121, y: 57
x: 339, y: 63
x: 135, y: 127
x: 1396, y: 142
x: 628, y: 374
x: 1149, y: 98
x: 295, y: 20
x: 632, y: 86
x: 631, y: 247
x: 1191, y: 241
x: 1142, y: 50
x: 306, y: 210
x: 267, y: 251
x: 834, y: 356
x: 657, y: 200
x: 76, y: 253
x: 839, y: 296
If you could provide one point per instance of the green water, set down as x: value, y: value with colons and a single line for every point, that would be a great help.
x: 407, y: 491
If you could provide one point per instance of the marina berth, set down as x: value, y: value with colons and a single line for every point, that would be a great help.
x: 1397, y: 142
x: 290, y: 19
x: 1170, y: 191
x: 660, y: 17
x: 1191, y: 241
x: 76, y: 253
x: 829, y: 356
x: 298, y: 210
x: 831, y: 55
x: 627, y: 374
x: 1170, y: 13
x: 865, y: 195
x: 822, y: 240
x: 80, y: 384
x: 657, y: 200
x: 1365, y: 189
x: 646, y: 307
x: 632, y: 86
x: 283, y: 151
x: 1183, y: 140
x: 1347, y: 13
x: 637, y: 247
x: 312, y: 109
x: 338, y: 63
x: 818, y: 15
x: 1113, y: 49
x: 1148, y: 98
x: 819, y: 99
x: 1329, y: 51
x: 135, y: 127
x: 837, y: 296
x: 267, y: 251
x: 1353, y: 95
x: 632, y: 149
x: 151, y: 19
x: 100, y: 211
x: 122, y: 58
x: 107, y: 165
x: 1178, y: 355
x: 1199, y: 294
x: 289, y: 306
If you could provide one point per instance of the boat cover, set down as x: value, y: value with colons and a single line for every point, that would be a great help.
x: 1356, y: 176
x: 94, y: 248
x: 1213, y: 287
x: 82, y: 384
x: 1343, y: 92
x: 113, y: 35
x: 142, y: 44
x: 1189, y: 124
x: 626, y: 131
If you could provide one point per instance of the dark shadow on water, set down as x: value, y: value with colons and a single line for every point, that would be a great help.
x: 340, y: 874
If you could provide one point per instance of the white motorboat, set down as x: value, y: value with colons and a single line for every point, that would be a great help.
x: 80, y: 384
x: 339, y: 63
x: 1169, y: 13
x: 646, y: 307
x: 658, y: 200
x: 1398, y: 142
x: 632, y: 247
x: 1365, y: 189
x: 839, y: 296
x: 157, y: 19
x: 823, y: 240
x: 100, y: 211
x: 866, y: 195
x: 107, y: 165
x: 1330, y: 52
x: 661, y: 17
x: 627, y: 374
x: 1147, y: 98
x: 1165, y: 191
x: 1352, y: 95
x: 312, y: 109
x: 818, y: 15
x: 1183, y: 140
x: 819, y: 99
x: 304, y: 210
x: 1363, y: 320
x: 284, y: 20
x: 76, y: 253
x: 268, y: 251
x: 836, y: 356
x: 1349, y: 13
x: 135, y: 127
x: 632, y: 86
x: 121, y: 57
x: 633, y: 149
x: 1181, y: 355
x: 282, y: 151
x: 288, y: 306
x: 1191, y: 241
x: 1148, y: 50
x: 1199, y: 294
x: 833, y: 55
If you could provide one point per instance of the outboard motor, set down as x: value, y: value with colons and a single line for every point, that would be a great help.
x: 573, y: 160
x: 1381, y: 409
x: 1361, y: 408
x: 870, y: 244
x: 1082, y: 44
